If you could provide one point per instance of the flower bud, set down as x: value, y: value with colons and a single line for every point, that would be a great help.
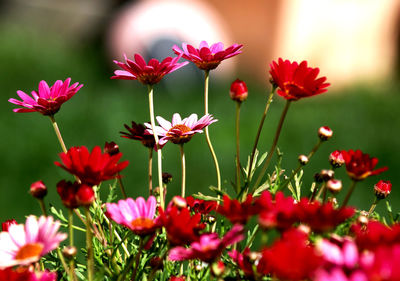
x: 69, y: 252
x: 111, y: 148
x: 304, y: 228
x: 5, y: 225
x: 238, y: 91
x: 334, y: 201
x: 211, y: 219
x: 334, y: 186
x: 303, y: 160
x: 324, y: 175
x: 336, y: 159
x: 166, y: 178
x: 325, y: 133
x: 382, y: 189
x: 179, y: 202
x: 218, y: 268
x: 363, y: 219
x: 198, y: 267
x: 38, y: 190
x: 85, y: 195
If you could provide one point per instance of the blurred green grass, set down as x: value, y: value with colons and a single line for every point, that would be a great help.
x: 362, y: 117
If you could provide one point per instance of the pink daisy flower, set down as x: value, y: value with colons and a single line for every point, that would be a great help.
x: 180, y: 131
x: 25, y: 244
x: 137, y: 215
x: 207, y: 57
x: 147, y: 73
x: 47, y: 100
x: 209, y: 247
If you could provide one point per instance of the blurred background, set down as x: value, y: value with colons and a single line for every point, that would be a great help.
x: 355, y: 43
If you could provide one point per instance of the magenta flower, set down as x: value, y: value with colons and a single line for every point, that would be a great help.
x: 137, y: 215
x: 180, y: 131
x: 205, y: 57
x: 47, y: 100
x: 147, y: 73
x: 25, y: 244
x: 209, y: 247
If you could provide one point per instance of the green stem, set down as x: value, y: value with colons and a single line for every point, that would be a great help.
x: 150, y: 171
x: 273, y: 146
x: 57, y: 130
x: 137, y: 259
x: 269, y: 100
x: 42, y: 206
x: 237, y: 124
x: 373, y: 206
x: 71, y: 244
x: 320, y: 191
x: 89, y: 246
x: 183, y: 170
x: 206, y: 79
x: 159, y: 155
x: 346, y: 199
x: 121, y: 185
x: 61, y: 257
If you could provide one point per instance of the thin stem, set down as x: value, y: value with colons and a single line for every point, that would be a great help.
x: 346, y: 199
x: 89, y: 246
x: 42, y: 206
x: 273, y: 146
x: 121, y: 185
x: 137, y: 259
x: 206, y: 79
x: 321, y: 191
x: 373, y: 206
x: 269, y: 100
x: 61, y: 257
x: 237, y: 124
x: 71, y: 244
x: 183, y: 170
x: 150, y: 171
x: 57, y: 130
x: 159, y: 155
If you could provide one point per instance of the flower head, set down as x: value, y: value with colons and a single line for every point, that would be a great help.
x: 38, y: 189
x: 201, y: 206
x: 180, y: 131
x: 296, y: 81
x: 359, y: 165
x: 238, y: 91
x: 111, y: 148
x: 336, y: 159
x: 147, y: 73
x: 207, y: 57
x: 138, y: 132
x: 382, y: 189
x: 74, y: 194
x: 91, y: 167
x: 236, y: 212
x: 137, y: 215
x: 25, y: 244
x: 47, y: 100
x: 209, y: 247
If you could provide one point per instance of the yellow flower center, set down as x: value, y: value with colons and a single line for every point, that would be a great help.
x: 142, y: 223
x: 29, y: 251
x: 178, y: 139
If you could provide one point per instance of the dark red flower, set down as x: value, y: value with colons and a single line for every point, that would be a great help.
x: 207, y: 57
x: 321, y: 217
x: 91, y: 168
x: 181, y: 227
x: 47, y: 100
x: 290, y: 258
x: 375, y: 234
x: 111, y: 148
x: 296, y: 81
x: 382, y: 189
x: 279, y: 212
x: 147, y: 73
x: 238, y: 91
x: 38, y: 189
x: 203, y: 207
x: 359, y: 165
x: 138, y: 132
x: 238, y: 212
x: 5, y: 225
x: 74, y: 194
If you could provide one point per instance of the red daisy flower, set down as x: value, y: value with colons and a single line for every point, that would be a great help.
x: 296, y: 81
x: 207, y: 57
x: 321, y: 217
x: 147, y: 73
x: 137, y: 132
x: 376, y: 234
x: 47, y: 100
x: 236, y: 212
x: 203, y: 207
x: 181, y: 227
x: 91, y: 167
x: 359, y: 165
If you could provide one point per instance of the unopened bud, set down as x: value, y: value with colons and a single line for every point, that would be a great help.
x: 111, y: 148
x: 238, y: 91
x: 327, y: 175
x: 69, y: 252
x: 303, y: 160
x: 336, y: 159
x: 198, y: 267
x: 166, y: 178
x: 85, y: 195
x: 211, y: 219
x: 324, y: 133
x: 333, y: 200
x: 362, y: 219
x: 38, y: 190
x: 304, y: 228
x: 218, y: 268
x: 179, y: 202
x: 382, y: 189
x: 334, y: 186
x: 254, y: 256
